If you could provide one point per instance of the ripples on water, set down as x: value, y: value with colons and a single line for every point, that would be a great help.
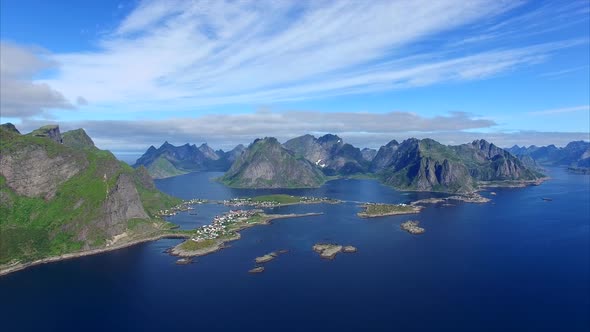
x: 518, y: 263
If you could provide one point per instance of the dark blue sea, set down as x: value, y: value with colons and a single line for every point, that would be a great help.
x: 518, y: 263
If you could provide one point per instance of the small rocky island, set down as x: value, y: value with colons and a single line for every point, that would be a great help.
x: 411, y: 226
x: 258, y: 269
x: 329, y: 251
x: 265, y: 259
x: 372, y: 210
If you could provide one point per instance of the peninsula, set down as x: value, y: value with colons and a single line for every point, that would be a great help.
x: 225, y: 228
x: 372, y: 210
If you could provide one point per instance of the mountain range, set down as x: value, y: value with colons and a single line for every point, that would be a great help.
x: 307, y: 161
x: 574, y: 155
x: 169, y: 160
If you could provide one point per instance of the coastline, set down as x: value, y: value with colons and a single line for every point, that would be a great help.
x: 220, y: 242
x: 482, y: 186
x: 10, y: 268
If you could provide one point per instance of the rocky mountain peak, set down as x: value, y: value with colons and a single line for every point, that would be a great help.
x: 10, y: 127
x: 50, y: 131
x: 77, y: 139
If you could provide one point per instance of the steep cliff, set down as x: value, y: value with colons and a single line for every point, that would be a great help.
x: 330, y: 153
x: 368, y: 154
x: 427, y: 165
x: 267, y: 164
x: 423, y: 165
x: 57, y: 199
x: 50, y: 131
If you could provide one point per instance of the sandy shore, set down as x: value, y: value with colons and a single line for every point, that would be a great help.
x: 9, y: 268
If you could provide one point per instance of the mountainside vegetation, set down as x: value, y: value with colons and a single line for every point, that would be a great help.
x: 58, y: 198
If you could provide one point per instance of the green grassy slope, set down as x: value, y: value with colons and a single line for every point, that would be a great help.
x: 34, y: 227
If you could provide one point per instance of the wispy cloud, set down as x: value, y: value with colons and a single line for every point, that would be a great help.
x: 566, y: 71
x: 184, y: 55
x: 20, y: 96
x: 562, y: 110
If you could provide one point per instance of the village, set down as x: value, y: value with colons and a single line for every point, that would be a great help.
x: 221, y: 224
x: 184, y: 206
x: 275, y: 200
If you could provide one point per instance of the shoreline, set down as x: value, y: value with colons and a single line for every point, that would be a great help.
x: 411, y: 209
x: 482, y: 186
x: 220, y: 242
x: 10, y: 268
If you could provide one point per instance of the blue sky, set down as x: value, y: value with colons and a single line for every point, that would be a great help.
x: 140, y: 72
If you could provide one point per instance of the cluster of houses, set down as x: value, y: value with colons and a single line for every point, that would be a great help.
x: 237, y: 202
x: 400, y: 204
x: 184, y: 206
x: 220, y: 224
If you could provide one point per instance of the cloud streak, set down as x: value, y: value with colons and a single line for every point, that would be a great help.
x: 186, y: 55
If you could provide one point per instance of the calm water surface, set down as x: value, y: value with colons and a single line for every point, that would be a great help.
x: 516, y: 264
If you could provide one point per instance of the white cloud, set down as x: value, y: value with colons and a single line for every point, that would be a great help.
x: 20, y: 96
x: 182, y: 55
x: 359, y: 129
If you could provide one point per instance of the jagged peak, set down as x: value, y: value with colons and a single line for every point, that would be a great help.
x: 411, y: 140
x: 482, y: 143
x: 580, y: 143
x: 329, y: 138
x: 266, y: 139
x: 392, y: 143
